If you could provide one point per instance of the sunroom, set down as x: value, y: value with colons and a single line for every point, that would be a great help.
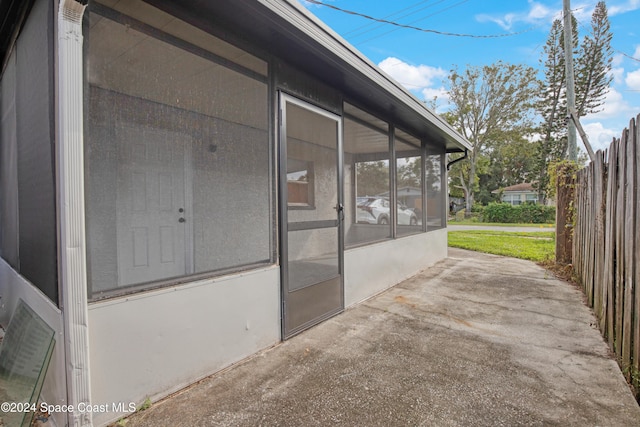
x: 217, y: 177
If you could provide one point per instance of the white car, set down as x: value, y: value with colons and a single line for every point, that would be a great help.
x: 375, y: 210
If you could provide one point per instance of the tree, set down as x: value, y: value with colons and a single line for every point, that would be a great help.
x: 552, y: 106
x: 511, y: 161
x: 373, y: 177
x: 507, y: 160
x: 409, y: 173
x: 593, y: 64
x: 487, y: 103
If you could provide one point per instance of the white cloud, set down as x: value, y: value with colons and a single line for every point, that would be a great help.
x: 440, y: 96
x: 618, y: 75
x: 599, y: 136
x: 415, y: 78
x: 615, y: 106
x: 633, y: 80
x: 617, y: 59
x: 582, y: 12
x: 602, y: 127
x: 424, y: 81
x: 537, y: 12
x: 505, y: 22
x: 534, y: 137
x: 624, y: 7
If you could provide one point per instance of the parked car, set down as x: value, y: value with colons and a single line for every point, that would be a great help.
x: 376, y: 210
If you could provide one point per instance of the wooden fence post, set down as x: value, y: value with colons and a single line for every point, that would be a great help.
x: 619, y: 245
x: 636, y: 260
x: 565, y: 211
x: 610, y: 243
x: 600, y: 202
x: 629, y: 250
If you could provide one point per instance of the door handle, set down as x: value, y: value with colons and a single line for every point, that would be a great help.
x: 182, y: 220
x: 340, y: 209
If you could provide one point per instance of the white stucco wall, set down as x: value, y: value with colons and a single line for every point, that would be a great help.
x: 373, y: 268
x: 12, y: 288
x: 151, y: 344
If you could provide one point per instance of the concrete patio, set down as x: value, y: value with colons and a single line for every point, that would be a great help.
x: 477, y: 340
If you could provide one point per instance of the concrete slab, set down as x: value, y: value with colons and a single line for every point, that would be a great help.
x: 477, y: 340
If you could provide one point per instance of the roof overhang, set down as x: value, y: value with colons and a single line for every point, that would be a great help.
x: 288, y: 30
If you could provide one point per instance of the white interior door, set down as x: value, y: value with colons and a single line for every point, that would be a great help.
x: 153, y: 218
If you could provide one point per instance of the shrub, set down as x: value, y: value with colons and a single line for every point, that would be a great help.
x: 524, y: 214
x: 499, y: 212
x: 477, y: 208
x: 536, y: 214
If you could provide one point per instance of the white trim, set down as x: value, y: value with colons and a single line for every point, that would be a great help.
x: 72, y: 254
x: 285, y: 97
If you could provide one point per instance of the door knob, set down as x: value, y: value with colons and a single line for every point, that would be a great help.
x: 182, y: 220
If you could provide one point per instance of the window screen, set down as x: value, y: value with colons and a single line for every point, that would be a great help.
x: 28, y: 229
x: 9, y: 166
x: 366, y: 178
x: 177, y: 157
x: 434, y: 171
x: 408, y: 183
x: 36, y: 178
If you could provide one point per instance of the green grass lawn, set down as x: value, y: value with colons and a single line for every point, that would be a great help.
x: 535, y: 246
x: 501, y: 224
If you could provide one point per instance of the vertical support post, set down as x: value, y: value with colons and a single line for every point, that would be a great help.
x: 393, y: 207
x: 571, y: 97
x: 70, y: 172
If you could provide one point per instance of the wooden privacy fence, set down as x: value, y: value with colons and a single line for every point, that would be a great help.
x: 606, y: 245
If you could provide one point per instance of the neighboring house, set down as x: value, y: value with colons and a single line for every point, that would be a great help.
x: 178, y: 186
x: 518, y: 194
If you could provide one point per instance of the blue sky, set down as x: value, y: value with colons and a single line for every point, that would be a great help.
x: 421, y: 60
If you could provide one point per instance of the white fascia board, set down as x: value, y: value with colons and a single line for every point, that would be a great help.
x: 298, y: 15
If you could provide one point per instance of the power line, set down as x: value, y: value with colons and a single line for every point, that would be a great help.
x: 628, y: 56
x: 372, y: 24
x: 414, y: 21
x: 411, y: 27
x: 380, y: 24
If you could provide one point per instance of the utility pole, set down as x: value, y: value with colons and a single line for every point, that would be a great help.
x: 572, y: 149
